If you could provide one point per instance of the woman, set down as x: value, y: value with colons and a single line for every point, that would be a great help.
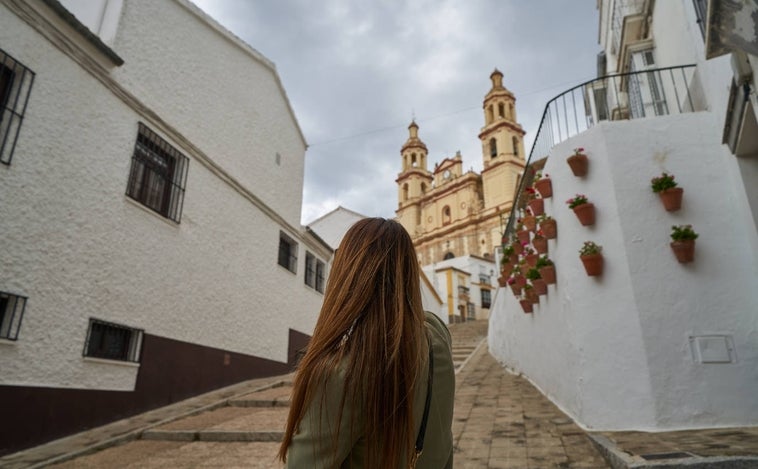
x: 361, y: 389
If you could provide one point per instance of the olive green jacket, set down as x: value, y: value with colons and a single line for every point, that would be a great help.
x: 313, y: 445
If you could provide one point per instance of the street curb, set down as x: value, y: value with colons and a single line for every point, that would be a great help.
x: 137, y: 433
x: 619, y: 459
x: 474, y: 352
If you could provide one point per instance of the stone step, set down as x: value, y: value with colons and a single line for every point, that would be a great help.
x: 213, y: 435
x: 225, y: 424
x: 273, y: 397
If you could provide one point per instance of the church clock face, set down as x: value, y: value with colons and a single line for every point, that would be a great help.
x: 446, y: 174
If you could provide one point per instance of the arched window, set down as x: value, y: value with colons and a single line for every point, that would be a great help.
x: 448, y: 255
x: 414, y: 163
x: 405, y: 191
x: 446, y: 217
x: 423, y: 188
x: 515, y: 146
x: 510, y: 112
x: 501, y: 110
x: 490, y: 114
x: 493, y: 148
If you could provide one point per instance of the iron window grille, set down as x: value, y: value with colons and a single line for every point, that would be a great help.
x: 287, y: 252
x: 486, y: 298
x: 113, y: 341
x: 320, y: 276
x: 158, y: 175
x: 12, y: 308
x: 310, y: 269
x: 15, y: 87
x: 701, y: 13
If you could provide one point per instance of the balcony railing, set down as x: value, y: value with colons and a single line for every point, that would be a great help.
x: 623, y: 96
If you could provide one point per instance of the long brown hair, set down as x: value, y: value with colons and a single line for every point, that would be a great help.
x: 373, y: 288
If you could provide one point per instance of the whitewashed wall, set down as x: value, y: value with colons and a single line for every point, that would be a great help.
x: 614, y: 351
x: 79, y: 248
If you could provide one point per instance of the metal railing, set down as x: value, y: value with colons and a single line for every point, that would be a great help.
x: 623, y: 96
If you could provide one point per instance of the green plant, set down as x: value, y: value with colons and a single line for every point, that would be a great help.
x: 516, y: 271
x: 538, y: 175
x: 662, y: 182
x: 577, y: 200
x: 543, y: 218
x: 683, y: 233
x: 533, y: 274
x: 578, y: 151
x: 543, y: 261
x: 527, y: 287
x: 507, y: 252
x: 590, y: 248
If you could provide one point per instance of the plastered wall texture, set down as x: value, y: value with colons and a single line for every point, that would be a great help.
x: 614, y: 351
x: 79, y: 248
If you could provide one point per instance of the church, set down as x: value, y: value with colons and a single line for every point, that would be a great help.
x: 451, y: 213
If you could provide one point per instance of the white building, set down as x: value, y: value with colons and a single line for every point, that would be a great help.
x: 652, y: 344
x: 466, y: 285
x: 150, y: 198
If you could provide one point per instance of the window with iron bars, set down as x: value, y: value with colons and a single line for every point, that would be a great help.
x: 158, y: 175
x: 320, y: 276
x: 314, y: 272
x: 486, y: 298
x: 287, y: 252
x: 11, y: 313
x: 701, y: 13
x: 15, y: 87
x: 113, y: 341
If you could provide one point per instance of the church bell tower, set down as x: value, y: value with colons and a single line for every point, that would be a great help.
x: 413, y: 182
x: 502, y: 145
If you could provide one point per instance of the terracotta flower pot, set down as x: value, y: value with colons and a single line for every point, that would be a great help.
x: 540, y: 244
x: 593, y: 264
x: 520, y: 281
x: 537, y: 206
x: 549, y: 228
x: 505, y: 270
x: 531, y: 259
x: 502, y: 280
x: 585, y: 213
x: 523, y: 237
x: 579, y: 164
x: 540, y: 287
x: 516, y: 289
x: 518, y: 248
x: 671, y: 198
x: 532, y: 296
x: 548, y: 274
x: 526, y: 305
x: 530, y: 222
x: 545, y: 187
x: 513, y: 258
x: 684, y: 250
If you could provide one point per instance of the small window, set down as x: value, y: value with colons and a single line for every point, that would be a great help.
x: 701, y: 13
x: 446, y: 218
x: 287, y: 252
x: 493, y: 148
x: 158, y: 175
x: 320, y: 276
x: 310, y: 269
x: 501, y: 110
x: 15, y: 86
x: 486, y: 298
x: 515, y: 146
x: 448, y: 255
x: 405, y: 191
x: 11, y: 312
x: 490, y: 114
x: 113, y: 341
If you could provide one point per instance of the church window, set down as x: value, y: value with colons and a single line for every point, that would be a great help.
x: 510, y: 112
x: 446, y: 217
x: 423, y: 188
x: 405, y: 191
x: 490, y: 115
x: 414, y: 163
x: 515, y: 146
x: 493, y: 148
x: 501, y: 109
x: 447, y: 256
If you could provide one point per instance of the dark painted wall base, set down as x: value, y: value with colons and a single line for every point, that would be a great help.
x: 170, y: 371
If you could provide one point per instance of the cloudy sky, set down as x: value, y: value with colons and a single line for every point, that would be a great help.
x: 357, y: 71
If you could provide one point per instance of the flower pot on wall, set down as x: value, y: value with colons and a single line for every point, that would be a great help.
x: 537, y: 206
x: 530, y: 222
x: 545, y: 187
x: 523, y: 237
x: 684, y: 250
x: 540, y: 244
x: 515, y: 289
x: 502, y: 280
x: 540, y: 287
x: 548, y: 274
x: 593, y: 264
x: 585, y: 213
x: 531, y: 296
x: 531, y: 259
x: 518, y: 248
x: 549, y: 228
x: 579, y: 164
x: 671, y: 198
x: 526, y: 305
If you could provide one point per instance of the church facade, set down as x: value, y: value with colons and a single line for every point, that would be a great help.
x: 451, y: 213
